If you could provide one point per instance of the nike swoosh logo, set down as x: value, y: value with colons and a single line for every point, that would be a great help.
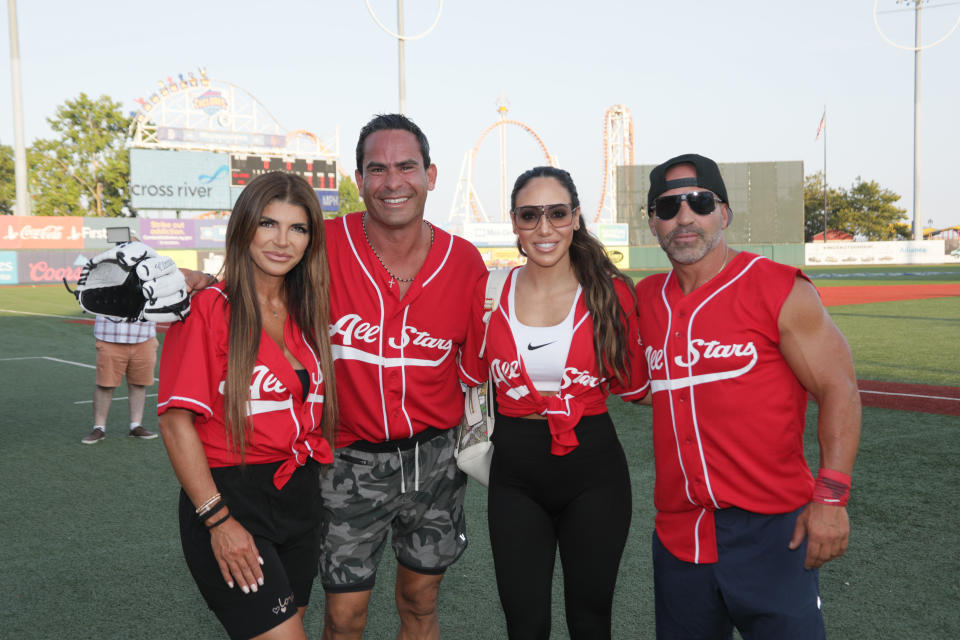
x: 534, y: 348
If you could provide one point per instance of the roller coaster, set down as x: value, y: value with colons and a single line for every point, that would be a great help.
x: 618, y: 146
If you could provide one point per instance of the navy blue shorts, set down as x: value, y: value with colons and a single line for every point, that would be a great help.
x: 758, y: 585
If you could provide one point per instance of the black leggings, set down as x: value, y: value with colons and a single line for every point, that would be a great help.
x: 537, y: 501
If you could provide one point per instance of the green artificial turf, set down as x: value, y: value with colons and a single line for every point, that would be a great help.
x: 90, y: 546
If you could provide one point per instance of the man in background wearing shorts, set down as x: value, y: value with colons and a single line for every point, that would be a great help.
x: 123, y: 349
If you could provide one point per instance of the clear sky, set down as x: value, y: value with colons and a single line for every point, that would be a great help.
x: 737, y: 81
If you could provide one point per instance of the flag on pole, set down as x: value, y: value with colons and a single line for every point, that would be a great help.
x: 823, y: 123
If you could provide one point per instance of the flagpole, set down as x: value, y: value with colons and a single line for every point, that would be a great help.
x: 824, y: 173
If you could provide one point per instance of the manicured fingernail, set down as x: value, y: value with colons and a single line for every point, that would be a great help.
x: 230, y: 584
x: 260, y: 581
x: 245, y: 589
x: 260, y: 560
x: 253, y: 588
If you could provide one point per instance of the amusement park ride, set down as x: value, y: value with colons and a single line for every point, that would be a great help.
x: 617, y: 150
x: 201, y: 114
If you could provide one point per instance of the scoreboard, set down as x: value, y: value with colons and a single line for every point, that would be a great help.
x: 321, y: 174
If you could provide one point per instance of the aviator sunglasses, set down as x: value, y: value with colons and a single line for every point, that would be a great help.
x: 702, y: 202
x: 528, y: 217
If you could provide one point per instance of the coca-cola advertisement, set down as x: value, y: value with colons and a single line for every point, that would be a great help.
x: 41, y: 232
x: 50, y: 267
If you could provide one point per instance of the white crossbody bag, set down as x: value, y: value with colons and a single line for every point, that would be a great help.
x: 474, y: 451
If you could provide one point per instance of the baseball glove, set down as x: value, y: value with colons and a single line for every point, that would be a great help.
x: 131, y: 282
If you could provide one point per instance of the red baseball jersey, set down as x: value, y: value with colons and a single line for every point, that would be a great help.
x: 728, y: 412
x: 193, y: 371
x: 396, y: 358
x: 582, y: 390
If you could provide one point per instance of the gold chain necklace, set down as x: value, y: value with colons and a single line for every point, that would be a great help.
x: 726, y: 254
x: 393, y: 277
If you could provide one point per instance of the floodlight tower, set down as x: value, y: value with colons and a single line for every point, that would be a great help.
x: 401, y: 39
x: 916, y: 48
x: 21, y: 205
x: 617, y: 151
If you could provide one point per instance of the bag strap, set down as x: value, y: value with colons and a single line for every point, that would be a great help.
x: 495, y: 282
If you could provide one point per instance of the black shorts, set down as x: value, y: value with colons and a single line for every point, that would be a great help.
x: 285, y: 526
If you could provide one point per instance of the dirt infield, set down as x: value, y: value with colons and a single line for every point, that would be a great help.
x: 924, y: 398
x: 835, y: 296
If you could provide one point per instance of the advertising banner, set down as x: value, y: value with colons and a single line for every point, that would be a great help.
x: 41, y: 232
x: 185, y: 259
x: 51, y: 267
x: 94, y: 231
x: 619, y: 256
x: 8, y: 267
x: 221, y: 138
x: 875, y: 253
x: 193, y: 180
x: 210, y: 234
x: 161, y: 233
x: 329, y: 199
x: 489, y: 234
x: 611, y: 234
x: 210, y: 261
x: 501, y: 257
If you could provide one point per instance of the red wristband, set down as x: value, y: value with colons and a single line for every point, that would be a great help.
x: 832, y: 487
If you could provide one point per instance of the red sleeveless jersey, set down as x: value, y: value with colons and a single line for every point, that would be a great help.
x: 728, y: 412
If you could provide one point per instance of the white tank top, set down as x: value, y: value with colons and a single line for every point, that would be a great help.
x: 543, y: 350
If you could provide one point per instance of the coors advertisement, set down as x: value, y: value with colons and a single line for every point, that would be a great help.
x: 50, y: 267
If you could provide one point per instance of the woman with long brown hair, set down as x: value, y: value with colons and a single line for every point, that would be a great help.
x: 247, y: 411
x: 562, y: 338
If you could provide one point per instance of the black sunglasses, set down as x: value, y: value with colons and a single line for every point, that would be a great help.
x: 702, y: 202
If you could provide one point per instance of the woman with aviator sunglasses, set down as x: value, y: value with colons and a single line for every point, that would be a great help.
x: 556, y: 346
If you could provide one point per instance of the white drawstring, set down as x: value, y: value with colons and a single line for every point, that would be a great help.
x: 416, y: 469
x: 416, y: 466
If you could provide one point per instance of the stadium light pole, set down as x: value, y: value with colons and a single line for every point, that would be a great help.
x: 916, y: 48
x: 21, y: 205
x: 401, y: 39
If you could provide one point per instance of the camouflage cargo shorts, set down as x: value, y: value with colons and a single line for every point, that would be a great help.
x: 366, y: 495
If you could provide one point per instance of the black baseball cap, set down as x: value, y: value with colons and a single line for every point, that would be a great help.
x: 708, y: 177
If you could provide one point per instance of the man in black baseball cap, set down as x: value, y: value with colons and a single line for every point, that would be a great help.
x: 734, y: 342
x: 689, y: 210
x: 707, y: 176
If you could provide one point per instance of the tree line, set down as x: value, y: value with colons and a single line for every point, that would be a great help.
x: 865, y: 210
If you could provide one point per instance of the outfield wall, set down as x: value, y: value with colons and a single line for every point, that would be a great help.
x: 654, y: 257
x: 44, y: 250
